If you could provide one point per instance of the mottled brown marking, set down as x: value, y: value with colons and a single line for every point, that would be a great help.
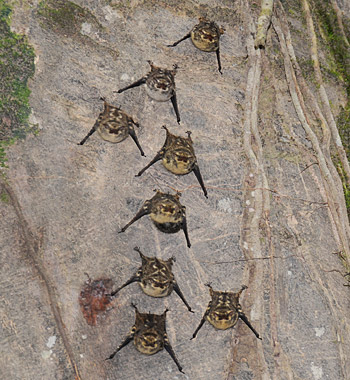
x: 95, y: 299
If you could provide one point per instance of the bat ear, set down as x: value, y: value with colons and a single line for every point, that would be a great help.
x: 244, y: 287
x: 178, y: 195
x: 172, y: 260
x: 135, y: 307
x: 211, y: 291
x: 152, y: 65
x: 137, y: 249
x: 167, y: 130
x: 174, y: 71
x: 105, y: 104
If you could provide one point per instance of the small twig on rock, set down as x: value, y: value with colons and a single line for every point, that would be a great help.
x: 348, y: 283
x: 340, y: 254
x: 338, y: 271
x: 332, y: 270
x: 250, y: 259
x: 314, y: 163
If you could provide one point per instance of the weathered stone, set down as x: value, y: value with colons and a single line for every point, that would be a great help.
x: 268, y: 222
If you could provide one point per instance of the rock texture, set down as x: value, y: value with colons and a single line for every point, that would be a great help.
x: 275, y: 219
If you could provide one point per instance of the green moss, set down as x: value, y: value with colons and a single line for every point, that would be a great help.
x: 67, y: 18
x: 5, y: 11
x: 3, y: 158
x: 4, y: 197
x: 16, y: 67
x: 292, y: 12
x: 345, y: 182
x: 64, y: 17
x: 224, y: 12
x: 344, y: 179
x: 307, y: 68
x: 274, y: 153
x: 343, y: 123
x: 338, y: 67
x: 339, y: 54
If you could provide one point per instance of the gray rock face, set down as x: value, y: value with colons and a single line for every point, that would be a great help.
x: 272, y: 221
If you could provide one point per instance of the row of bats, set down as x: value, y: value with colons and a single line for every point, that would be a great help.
x: 155, y: 276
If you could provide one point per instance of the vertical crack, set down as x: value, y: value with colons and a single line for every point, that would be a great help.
x: 322, y: 91
x: 257, y: 223
x: 33, y: 244
x: 335, y: 200
x: 333, y: 192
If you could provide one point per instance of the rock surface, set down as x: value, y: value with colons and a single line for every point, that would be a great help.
x: 273, y: 221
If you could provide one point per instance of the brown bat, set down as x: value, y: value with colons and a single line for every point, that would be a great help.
x: 206, y: 37
x: 177, y: 155
x: 155, y: 277
x: 224, y: 310
x: 166, y: 212
x: 114, y: 125
x: 160, y: 86
x: 149, y: 335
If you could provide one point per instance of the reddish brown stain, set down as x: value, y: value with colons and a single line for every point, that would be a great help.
x: 94, y: 299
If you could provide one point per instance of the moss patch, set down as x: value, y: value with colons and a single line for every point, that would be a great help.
x: 4, y: 197
x: 224, y: 14
x: 338, y: 61
x: 343, y: 123
x: 64, y: 17
x: 339, y: 58
x: 16, y: 67
x: 345, y: 186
